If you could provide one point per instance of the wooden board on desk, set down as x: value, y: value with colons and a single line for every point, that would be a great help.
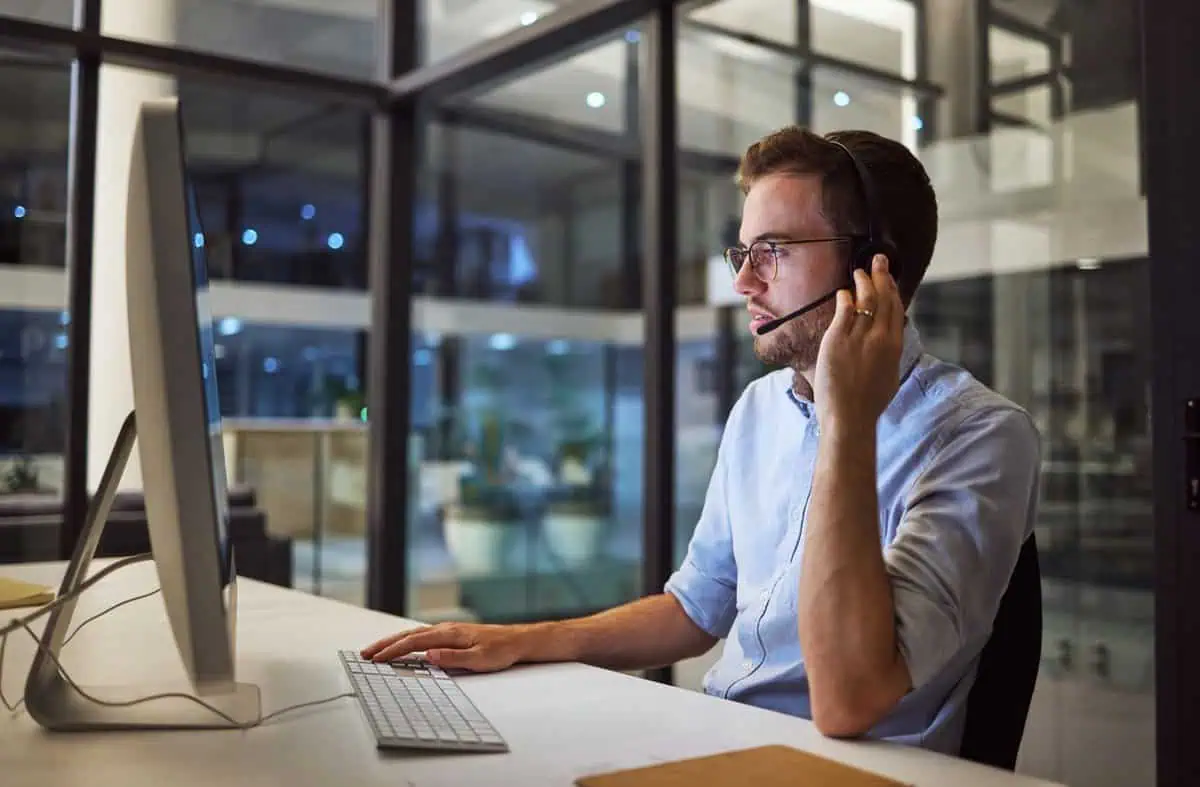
x: 761, y: 766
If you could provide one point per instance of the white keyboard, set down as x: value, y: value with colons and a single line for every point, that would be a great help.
x: 412, y: 704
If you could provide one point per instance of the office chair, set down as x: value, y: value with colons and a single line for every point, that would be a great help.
x: 998, y: 703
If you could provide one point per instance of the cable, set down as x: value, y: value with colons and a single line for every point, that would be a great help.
x: 24, y: 623
x: 13, y: 707
x: 87, y: 583
x: 104, y: 612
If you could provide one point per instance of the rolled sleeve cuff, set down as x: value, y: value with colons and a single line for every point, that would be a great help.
x: 707, y: 601
x: 925, y: 633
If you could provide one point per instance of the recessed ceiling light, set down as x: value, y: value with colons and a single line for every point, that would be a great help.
x: 528, y: 18
x: 502, y: 341
x: 595, y: 100
x: 1088, y: 263
x: 841, y: 98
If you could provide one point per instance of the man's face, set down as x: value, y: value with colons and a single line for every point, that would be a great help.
x: 782, y: 208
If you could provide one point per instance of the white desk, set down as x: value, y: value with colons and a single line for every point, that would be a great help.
x: 561, y: 721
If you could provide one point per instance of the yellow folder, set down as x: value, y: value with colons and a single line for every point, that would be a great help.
x: 15, y: 593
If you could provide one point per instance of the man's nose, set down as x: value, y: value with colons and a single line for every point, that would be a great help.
x: 746, y: 282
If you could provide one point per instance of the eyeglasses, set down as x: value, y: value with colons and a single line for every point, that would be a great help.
x: 764, y: 255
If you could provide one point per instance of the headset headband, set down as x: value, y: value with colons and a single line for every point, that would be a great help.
x: 866, y: 186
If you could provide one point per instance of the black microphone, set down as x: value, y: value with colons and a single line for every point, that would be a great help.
x: 778, y: 321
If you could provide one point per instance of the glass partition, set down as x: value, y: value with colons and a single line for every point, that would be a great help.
x: 33, y: 298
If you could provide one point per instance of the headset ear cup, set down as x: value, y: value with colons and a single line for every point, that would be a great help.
x: 865, y: 253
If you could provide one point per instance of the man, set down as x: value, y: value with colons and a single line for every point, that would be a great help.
x: 868, y: 503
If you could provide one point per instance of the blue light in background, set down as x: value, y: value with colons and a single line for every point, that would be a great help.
x: 308, y: 211
x: 249, y: 237
x: 502, y: 341
x: 19, y: 211
x: 336, y: 241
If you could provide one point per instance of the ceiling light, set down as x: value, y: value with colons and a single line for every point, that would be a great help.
x: 841, y: 98
x: 595, y: 100
x: 528, y: 18
x: 1088, y: 263
x: 336, y: 241
x: 502, y: 341
x: 917, y: 123
x: 249, y: 237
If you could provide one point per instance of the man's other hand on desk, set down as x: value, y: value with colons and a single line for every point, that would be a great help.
x: 472, y: 646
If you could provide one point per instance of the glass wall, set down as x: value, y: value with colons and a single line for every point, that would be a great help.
x: 280, y: 188
x: 337, y: 39
x: 528, y: 400
x: 529, y: 481
x: 33, y: 317
x: 58, y: 12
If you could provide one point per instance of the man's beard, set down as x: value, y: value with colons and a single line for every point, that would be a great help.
x: 796, y: 343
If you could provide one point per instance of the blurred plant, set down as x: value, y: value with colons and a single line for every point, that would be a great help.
x: 22, y: 477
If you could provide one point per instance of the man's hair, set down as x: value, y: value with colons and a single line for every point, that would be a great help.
x: 907, y: 206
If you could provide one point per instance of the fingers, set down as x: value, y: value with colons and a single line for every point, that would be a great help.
x: 865, y: 300
x: 843, y: 317
x: 375, y: 647
x: 423, y: 640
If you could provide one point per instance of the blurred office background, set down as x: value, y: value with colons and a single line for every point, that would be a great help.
x: 527, y: 437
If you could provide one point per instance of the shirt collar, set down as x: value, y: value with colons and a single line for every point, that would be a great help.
x: 909, y: 355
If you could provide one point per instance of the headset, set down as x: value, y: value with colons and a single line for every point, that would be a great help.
x: 865, y: 247
x: 875, y: 241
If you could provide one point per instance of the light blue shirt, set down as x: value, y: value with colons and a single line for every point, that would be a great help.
x: 958, y: 478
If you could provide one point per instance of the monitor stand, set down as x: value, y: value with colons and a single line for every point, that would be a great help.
x: 57, y: 705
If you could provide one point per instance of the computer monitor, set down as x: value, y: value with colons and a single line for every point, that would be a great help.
x: 177, y: 423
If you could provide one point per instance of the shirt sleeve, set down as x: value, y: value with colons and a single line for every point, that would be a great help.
x: 967, y: 517
x: 705, y: 584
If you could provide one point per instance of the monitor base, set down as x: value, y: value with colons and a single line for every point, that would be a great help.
x: 63, y: 708
x: 57, y: 705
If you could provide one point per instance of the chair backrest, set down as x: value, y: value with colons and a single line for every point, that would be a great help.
x: 998, y: 703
